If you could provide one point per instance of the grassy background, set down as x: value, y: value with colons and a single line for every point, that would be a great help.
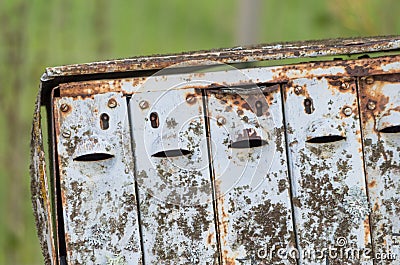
x: 37, y: 33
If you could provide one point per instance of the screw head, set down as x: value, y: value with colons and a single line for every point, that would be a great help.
x: 240, y: 112
x: 64, y: 107
x: 66, y: 134
x: 190, y: 99
x: 112, y: 103
x: 347, y: 111
x: 298, y: 90
x: 371, y: 105
x: 369, y: 80
x: 345, y: 86
x: 143, y: 104
x: 221, y: 120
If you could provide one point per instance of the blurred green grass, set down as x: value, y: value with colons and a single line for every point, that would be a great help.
x: 36, y: 34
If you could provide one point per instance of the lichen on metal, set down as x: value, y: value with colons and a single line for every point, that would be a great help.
x: 326, y: 166
x: 203, y: 163
x: 96, y: 179
x: 381, y: 138
x: 250, y: 171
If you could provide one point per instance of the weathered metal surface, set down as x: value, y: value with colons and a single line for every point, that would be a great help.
x: 40, y: 190
x: 233, y: 55
x: 325, y: 154
x: 230, y: 77
x: 96, y: 180
x: 179, y: 219
x: 380, y: 109
x: 250, y: 172
x: 172, y: 170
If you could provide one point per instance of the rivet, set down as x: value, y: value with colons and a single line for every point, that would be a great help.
x: 345, y: 86
x: 298, y: 90
x: 347, y: 111
x: 143, y: 104
x: 64, y: 107
x: 371, y: 105
x: 369, y: 80
x: 221, y: 120
x: 112, y: 103
x: 240, y: 112
x: 66, y: 134
x: 190, y: 99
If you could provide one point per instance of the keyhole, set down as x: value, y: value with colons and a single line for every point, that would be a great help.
x: 259, y: 106
x: 104, y: 121
x: 154, y: 120
x: 308, y: 106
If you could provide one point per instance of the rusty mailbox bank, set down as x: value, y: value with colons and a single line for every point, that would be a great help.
x: 273, y: 154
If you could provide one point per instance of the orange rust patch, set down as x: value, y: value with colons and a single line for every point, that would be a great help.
x: 209, y: 238
x: 376, y: 207
x: 367, y: 231
x: 228, y: 260
x: 372, y: 184
x: 80, y: 90
x: 138, y: 81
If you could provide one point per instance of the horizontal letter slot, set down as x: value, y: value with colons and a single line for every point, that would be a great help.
x: 172, y: 153
x: 93, y: 157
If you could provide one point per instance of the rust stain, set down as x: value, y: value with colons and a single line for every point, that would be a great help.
x: 367, y: 231
x: 233, y: 55
x: 372, y: 184
x: 209, y: 238
x: 228, y: 260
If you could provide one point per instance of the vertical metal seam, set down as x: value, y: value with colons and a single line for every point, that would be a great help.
x: 52, y: 171
x: 130, y: 120
x: 60, y: 229
x: 288, y: 162
x: 358, y: 92
x: 212, y: 176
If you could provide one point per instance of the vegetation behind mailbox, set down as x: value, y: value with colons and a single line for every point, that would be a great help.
x: 37, y: 34
x: 185, y: 159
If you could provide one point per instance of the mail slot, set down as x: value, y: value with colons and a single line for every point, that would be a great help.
x: 222, y: 157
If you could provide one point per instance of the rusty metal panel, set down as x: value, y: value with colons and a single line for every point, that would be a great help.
x: 250, y: 172
x: 96, y: 179
x: 41, y: 193
x: 325, y: 154
x: 380, y: 109
x: 263, y: 52
x: 172, y: 170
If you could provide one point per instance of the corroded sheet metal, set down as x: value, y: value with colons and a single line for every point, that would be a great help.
x: 264, y: 52
x: 96, y: 179
x: 328, y: 183
x: 172, y: 168
x: 380, y: 109
x: 40, y: 190
x: 250, y: 172
x: 231, y: 78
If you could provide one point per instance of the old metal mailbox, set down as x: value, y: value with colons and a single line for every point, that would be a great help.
x: 96, y: 184
x: 175, y: 193
x: 380, y: 104
x: 250, y: 169
x: 215, y: 160
x: 325, y: 154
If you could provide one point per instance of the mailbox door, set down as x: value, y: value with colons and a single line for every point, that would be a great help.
x: 96, y: 179
x: 326, y: 167
x: 174, y: 184
x: 250, y: 172
x: 380, y: 108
